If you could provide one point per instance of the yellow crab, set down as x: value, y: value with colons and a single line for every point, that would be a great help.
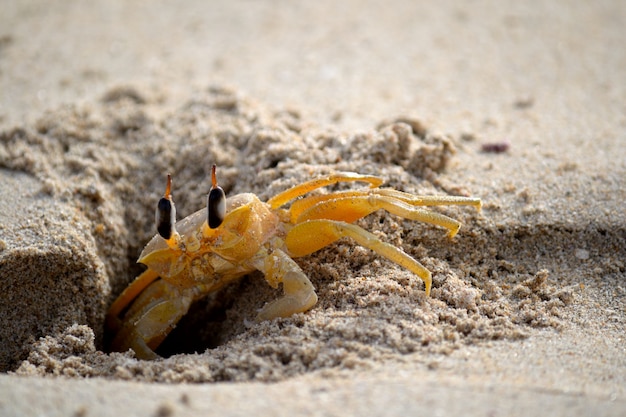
x: 235, y: 236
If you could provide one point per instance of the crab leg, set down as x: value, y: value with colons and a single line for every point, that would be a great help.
x: 357, y: 205
x: 300, y: 206
x: 431, y: 200
x: 313, y: 235
x: 151, y: 317
x: 126, y: 297
x: 299, y: 295
x: 306, y: 187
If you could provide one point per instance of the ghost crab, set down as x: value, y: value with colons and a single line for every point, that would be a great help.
x: 234, y: 236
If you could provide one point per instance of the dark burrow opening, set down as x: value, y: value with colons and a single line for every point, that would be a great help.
x: 200, y: 329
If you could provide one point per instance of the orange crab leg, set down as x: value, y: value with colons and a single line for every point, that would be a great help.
x: 127, y: 296
x: 353, y: 208
x: 431, y: 200
x: 301, y: 189
x: 311, y: 236
x: 297, y: 207
x: 151, y: 317
x: 353, y: 205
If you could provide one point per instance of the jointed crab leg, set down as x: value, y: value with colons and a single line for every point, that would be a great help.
x: 350, y: 209
x: 151, y: 317
x: 127, y: 296
x: 310, y: 236
x: 306, y: 187
x: 297, y: 207
x: 431, y: 200
x: 350, y: 206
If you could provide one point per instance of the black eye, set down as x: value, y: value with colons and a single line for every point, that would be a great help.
x: 165, y: 215
x: 216, y: 203
x: 165, y: 218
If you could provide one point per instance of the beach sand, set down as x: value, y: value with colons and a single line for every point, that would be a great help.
x: 523, y: 106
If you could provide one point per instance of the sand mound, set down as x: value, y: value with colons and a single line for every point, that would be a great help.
x: 94, y: 174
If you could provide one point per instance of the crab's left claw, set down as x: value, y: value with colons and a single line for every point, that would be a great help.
x: 150, y: 319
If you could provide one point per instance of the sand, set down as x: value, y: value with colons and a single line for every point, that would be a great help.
x: 522, y: 106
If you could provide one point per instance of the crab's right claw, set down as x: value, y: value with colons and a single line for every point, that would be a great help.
x: 299, y: 294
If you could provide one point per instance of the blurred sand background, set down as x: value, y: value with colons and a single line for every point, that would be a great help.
x: 98, y: 100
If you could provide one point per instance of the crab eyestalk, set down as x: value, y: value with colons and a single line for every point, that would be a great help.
x: 165, y: 215
x: 216, y: 202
